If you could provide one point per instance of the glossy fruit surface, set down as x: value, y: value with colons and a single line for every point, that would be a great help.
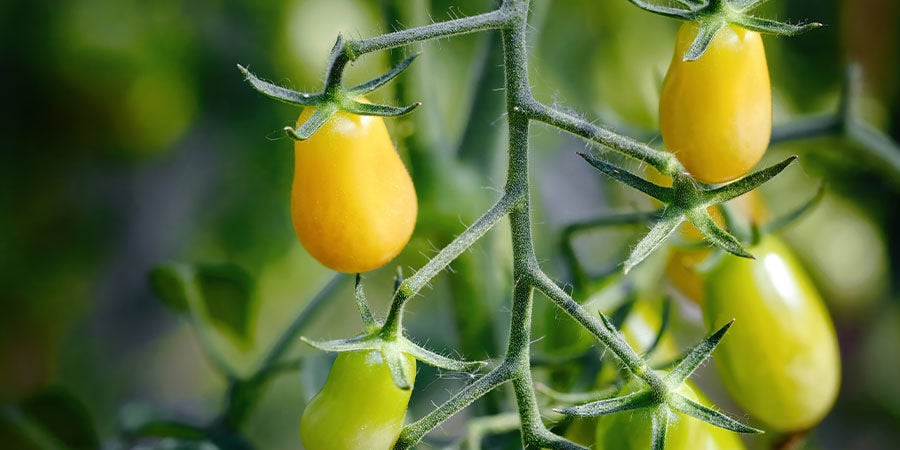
x: 353, y: 203
x: 780, y: 361
x: 359, y: 407
x: 631, y: 430
x: 715, y: 113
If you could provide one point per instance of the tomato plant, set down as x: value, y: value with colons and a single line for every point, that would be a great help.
x: 781, y: 362
x: 353, y: 203
x: 715, y: 113
x: 359, y: 406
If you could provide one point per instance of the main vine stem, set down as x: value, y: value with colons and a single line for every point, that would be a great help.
x: 511, y: 18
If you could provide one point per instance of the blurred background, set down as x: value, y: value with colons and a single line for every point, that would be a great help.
x: 132, y: 140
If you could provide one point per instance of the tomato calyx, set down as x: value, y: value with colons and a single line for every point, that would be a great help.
x: 334, y: 96
x: 713, y: 15
x: 391, y: 343
x: 687, y: 200
x: 663, y: 402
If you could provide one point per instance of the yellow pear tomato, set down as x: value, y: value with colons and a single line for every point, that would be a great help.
x: 715, y: 113
x: 353, y: 203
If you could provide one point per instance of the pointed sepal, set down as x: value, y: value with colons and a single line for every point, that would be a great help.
x: 374, y: 109
x: 318, y: 118
x: 636, y: 400
x: 667, y: 11
x: 279, y: 93
x: 691, y: 408
x: 744, y: 185
x: 715, y: 234
x: 775, y: 27
x: 362, y: 305
x: 440, y: 361
x: 705, y: 35
x: 394, y: 359
x: 660, y: 193
x: 376, y: 83
x: 697, y: 356
x: 662, y: 229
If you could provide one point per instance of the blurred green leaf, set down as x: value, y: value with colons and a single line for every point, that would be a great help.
x: 224, y: 293
x: 227, y: 293
x: 50, y: 419
x: 168, y: 284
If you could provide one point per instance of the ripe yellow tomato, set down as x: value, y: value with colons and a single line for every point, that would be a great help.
x: 630, y: 430
x: 353, y: 203
x: 359, y: 407
x: 715, y: 113
x: 780, y: 361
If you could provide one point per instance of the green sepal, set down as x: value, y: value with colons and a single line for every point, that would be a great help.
x: 440, y: 361
x: 376, y: 83
x: 374, y: 109
x: 362, y: 304
x: 662, y: 229
x: 744, y: 185
x: 279, y: 93
x: 770, y: 26
x: 722, y: 239
x: 318, y: 118
x: 691, y: 408
x: 705, y: 35
x: 697, y: 356
x: 394, y: 359
x: 667, y: 11
x: 713, y: 15
x: 636, y: 400
x: 660, y: 193
x: 391, y: 351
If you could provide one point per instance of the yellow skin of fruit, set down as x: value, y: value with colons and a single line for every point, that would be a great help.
x: 631, y: 430
x: 715, y: 113
x: 359, y: 407
x: 780, y: 360
x: 353, y: 203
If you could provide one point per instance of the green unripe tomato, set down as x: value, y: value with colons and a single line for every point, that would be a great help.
x: 780, y: 361
x: 631, y: 430
x: 360, y: 407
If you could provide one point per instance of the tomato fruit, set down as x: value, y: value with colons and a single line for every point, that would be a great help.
x: 353, y: 203
x: 780, y: 361
x: 359, y: 407
x: 715, y: 113
x: 631, y: 430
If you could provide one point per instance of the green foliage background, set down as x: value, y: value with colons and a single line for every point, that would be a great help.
x: 131, y: 139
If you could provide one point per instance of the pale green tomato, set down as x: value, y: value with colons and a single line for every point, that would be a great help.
x: 780, y: 360
x: 360, y: 407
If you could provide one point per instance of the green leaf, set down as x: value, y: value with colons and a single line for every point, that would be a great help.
x: 50, y: 419
x: 168, y: 282
x: 227, y: 294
